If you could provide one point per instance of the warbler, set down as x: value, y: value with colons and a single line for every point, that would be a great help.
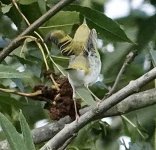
x: 84, y: 64
x: 85, y: 68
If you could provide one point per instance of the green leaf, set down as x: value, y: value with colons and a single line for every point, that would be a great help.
x: 15, y: 140
x: 27, y: 137
x: 9, y: 72
x: 62, y: 61
x: 42, y: 5
x: 147, y: 30
x: 86, y: 96
x: 103, y: 24
x: 5, y: 8
x: 30, y: 9
x: 24, y: 61
x: 10, y: 101
x: 26, y: 2
x: 64, y: 20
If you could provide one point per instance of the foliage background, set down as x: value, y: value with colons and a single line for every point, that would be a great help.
x: 139, y: 27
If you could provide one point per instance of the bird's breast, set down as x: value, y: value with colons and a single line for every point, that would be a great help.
x: 77, y: 76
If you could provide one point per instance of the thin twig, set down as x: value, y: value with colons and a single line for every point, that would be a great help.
x: 12, y: 91
x: 56, y: 26
x: 67, y: 142
x: 15, y: 4
x: 37, y: 95
x: 133, y: 125
x: 128, y: 59
x: 17, y: 41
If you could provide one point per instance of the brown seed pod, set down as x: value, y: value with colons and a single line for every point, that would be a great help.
x: 63, y: 103
x: 60, y: 102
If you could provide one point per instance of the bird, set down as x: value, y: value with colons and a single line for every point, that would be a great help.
x: 84, y: 69
x: 84, y: 59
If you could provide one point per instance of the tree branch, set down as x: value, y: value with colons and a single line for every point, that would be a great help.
x: 48, y: 131
x: 93, y: 114
x: 17, y: 41
x: 131, y: 103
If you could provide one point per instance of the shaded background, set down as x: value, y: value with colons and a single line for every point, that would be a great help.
x: 136, y: 17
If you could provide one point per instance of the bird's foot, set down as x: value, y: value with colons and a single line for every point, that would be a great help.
x: 77, y: 118
x: 98, y: 102
x: 76, y: 110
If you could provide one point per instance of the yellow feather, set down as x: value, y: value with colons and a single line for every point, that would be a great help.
x: 67, y: 45
x: 79, y: 62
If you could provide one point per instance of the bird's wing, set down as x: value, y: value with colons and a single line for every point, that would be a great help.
x: 92, y: 41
